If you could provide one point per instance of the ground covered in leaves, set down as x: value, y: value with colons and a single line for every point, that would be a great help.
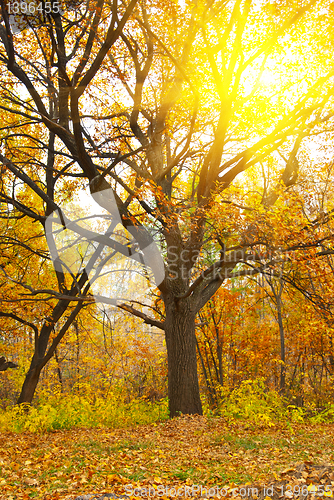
x: 184, y: 454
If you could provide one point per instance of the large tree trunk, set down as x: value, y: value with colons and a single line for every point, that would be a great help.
x: 183, y: 388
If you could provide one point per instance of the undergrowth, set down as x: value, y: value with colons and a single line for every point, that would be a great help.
x: 253, y: 402
x: 66, y: 411
x: 250, y: 402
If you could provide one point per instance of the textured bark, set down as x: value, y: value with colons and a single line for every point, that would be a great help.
x: 183, y: 387
x: 38, y: 360
x: 29, y: 385
x: 282, y: 344
x: 44, y: 349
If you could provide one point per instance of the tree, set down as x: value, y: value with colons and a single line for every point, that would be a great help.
x: 161, y: 106
x: 216, y: 345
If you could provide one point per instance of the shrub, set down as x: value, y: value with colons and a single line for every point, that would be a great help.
x: 252, y: 401
x: 57, y: 411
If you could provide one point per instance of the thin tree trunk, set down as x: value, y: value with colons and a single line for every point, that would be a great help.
x: 208, y: 382
x: 44, y: 351
x: 282, y: 343
x: 277, y: 300
x: 60, y: 376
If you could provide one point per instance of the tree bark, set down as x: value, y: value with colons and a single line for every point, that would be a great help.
x: 29, y: 385
x: 282, y: 344
x: 183, y: 387
x: 43, y: 350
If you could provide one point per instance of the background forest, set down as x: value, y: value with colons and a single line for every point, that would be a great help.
x: 268, y: 338
x: 166, y: 211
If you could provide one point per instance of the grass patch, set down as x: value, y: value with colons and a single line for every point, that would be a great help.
x: 136, y: 476
x: 183, y: 475
x: 248, y: 443
x: 92, y: 446
x: 132, y: 445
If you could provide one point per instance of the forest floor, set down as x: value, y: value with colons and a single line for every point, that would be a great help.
x: 186, y: 452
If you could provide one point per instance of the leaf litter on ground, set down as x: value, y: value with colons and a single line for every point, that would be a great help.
x: 188, y: 452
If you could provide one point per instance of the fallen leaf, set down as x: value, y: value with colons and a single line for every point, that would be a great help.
x: 30, y: 482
